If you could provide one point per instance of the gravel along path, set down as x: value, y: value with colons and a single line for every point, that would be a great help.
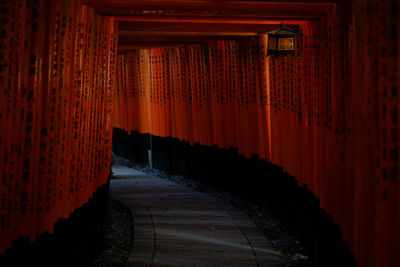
x: 118, y: 236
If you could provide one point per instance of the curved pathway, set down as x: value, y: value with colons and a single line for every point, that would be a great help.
x: 178, y: 226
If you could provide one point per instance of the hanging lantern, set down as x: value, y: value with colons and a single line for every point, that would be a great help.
x: 281, y: 42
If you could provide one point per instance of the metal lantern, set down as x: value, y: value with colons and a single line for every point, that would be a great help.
x: 281, y: 42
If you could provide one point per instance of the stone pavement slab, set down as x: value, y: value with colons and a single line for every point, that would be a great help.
x: 178, y: 226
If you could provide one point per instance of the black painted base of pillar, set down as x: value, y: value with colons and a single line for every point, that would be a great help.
x: 257, y: 180
x: 76, y: 241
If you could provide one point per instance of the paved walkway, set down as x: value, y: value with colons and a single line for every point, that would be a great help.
x: 177, y: 226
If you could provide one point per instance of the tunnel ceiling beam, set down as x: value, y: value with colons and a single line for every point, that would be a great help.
x: 152, y: 41
x: 134, y: 26
x: 185, y: 33
x: 218, y: 9
x: 191, y: 21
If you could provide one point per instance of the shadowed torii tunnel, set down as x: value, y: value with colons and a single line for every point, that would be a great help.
x: 315, y: 138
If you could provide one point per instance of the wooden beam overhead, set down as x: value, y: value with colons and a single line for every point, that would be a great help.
x: 132, y: 26
x: 183, y: 33
x: 149, y: 23
x: 133, y: 40
x: 129, y: 47
x: 216, y: 9
x: 155, y: 19
x: 201, y: 5
x: 201, y: 27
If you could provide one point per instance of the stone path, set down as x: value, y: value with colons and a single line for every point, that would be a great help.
x: 177, y: 226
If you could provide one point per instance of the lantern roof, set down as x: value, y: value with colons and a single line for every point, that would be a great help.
x: 284, y: 30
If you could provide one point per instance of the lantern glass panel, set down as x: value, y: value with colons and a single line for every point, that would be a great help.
x: 285, y: 44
